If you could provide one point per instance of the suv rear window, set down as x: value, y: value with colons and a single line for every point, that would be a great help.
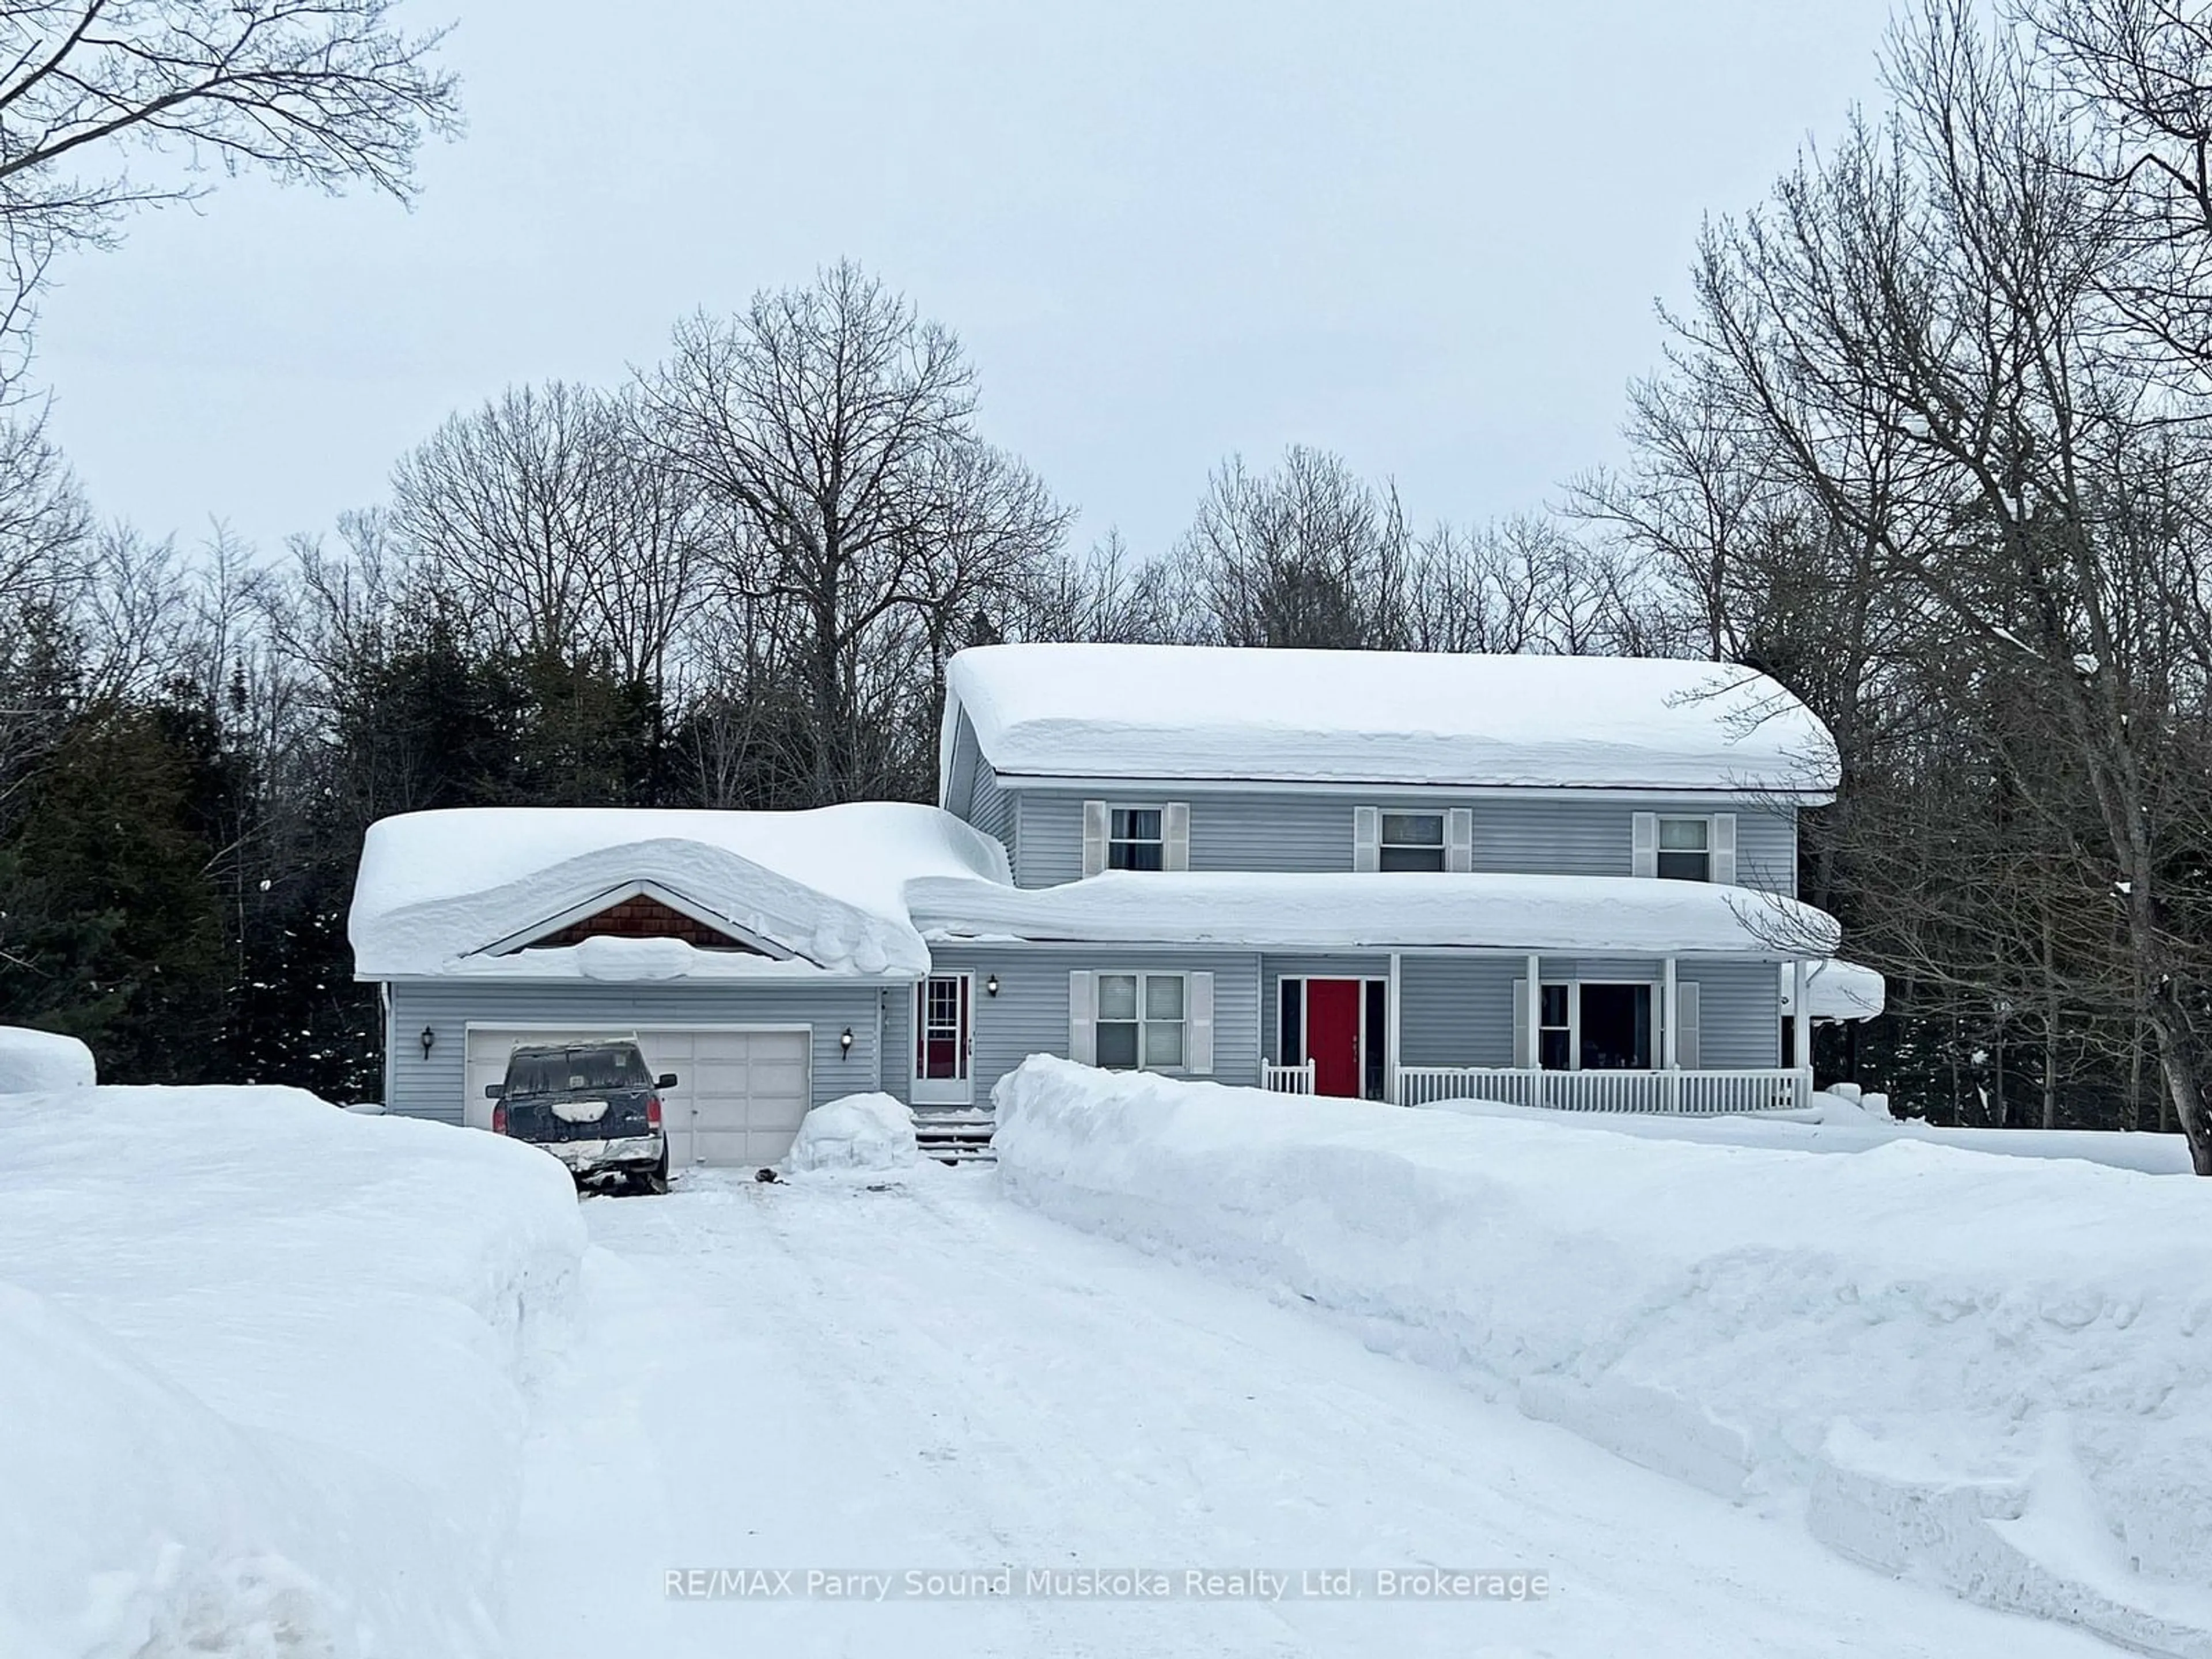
x: 556, y: 1072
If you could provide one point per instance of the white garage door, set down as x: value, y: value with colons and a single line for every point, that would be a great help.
x: 740, y: 1094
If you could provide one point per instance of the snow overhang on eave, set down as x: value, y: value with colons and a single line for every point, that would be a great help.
x: 473, y: 936
x: 1584, y: 916
x: 539, y: 970
x: 1721, y: 793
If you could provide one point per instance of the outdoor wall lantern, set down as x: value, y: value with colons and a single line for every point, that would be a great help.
x: 845, y: 1042
x: 430, y: 1037
x: 991, y: 985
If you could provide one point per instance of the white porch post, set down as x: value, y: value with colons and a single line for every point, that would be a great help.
x: 1390, y: 1046
x: 1535, y: 1028
x: 1671, y: 1053
x: 1800, y: 1030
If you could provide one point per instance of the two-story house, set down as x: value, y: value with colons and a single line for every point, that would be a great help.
x: 1564, y: 881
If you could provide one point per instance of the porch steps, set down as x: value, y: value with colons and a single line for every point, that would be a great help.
x: 955, y: 1134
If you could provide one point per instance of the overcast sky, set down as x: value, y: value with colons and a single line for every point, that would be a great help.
x: 1429, y: 236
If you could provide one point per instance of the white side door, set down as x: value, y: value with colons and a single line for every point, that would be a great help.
x: 944, y: 1019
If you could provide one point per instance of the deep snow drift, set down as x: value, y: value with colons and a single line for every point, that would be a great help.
x: 260, y: 1369
x: 1993, y: 1372
x: 857, y: 1133
x: 35, y: 1062
x: 1838, y: 1124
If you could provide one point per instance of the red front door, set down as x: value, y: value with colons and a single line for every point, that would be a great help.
x: 1333, y: 1036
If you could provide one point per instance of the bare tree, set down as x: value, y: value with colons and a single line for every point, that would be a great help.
x: 319, y: 92
x: 562, y: 530
x: 2136, y: 77
x: 1307, y: 554
x: 1108, y: 596
x: 1945, y: 280
x: 858, y: 519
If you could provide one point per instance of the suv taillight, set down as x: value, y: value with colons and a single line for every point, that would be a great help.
x: 652, y: 1111
x: 498, y: 1118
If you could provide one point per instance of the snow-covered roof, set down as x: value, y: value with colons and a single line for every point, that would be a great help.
x: 438, y: 891
x: 1583, y: 915
x: 1170, y: 712
x: 1838, y: 990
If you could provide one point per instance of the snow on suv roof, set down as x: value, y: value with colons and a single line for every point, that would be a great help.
x: 436, y: 890
x: 1200, y: 712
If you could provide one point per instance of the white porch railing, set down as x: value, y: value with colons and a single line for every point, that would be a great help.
x: 1698, y: 1093
x: 1287, y: 1079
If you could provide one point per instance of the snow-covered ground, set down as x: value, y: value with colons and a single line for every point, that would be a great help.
x: 917, y: 1373
x: 1838, y: 1126
x: 278, y: 1379
x: 1994, y: 1373
x: 262, y: 1368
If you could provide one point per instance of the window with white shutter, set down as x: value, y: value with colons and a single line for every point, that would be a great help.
x: 1459, y: 839
x: 1082, y: 1019
x: 1175, y: 835
x: 1198, y: 1041
x: 1724, y: 844
x: 1685, y: 1024
x: 1366, y: 837
x: 1094, y: 836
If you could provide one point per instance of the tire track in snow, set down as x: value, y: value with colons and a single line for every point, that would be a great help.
x: 928, y: 1374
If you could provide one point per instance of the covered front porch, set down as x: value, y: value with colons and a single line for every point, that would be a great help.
x: 1699, y: 1036
x: 1579, y: 992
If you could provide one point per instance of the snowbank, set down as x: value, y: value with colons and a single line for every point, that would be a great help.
x: 1169, y: 711
x: 36, y: 1062
x: 260, y: 1372
x: 1838, y: 1125
x: 1994, y: 1372
x: 860, y: 1132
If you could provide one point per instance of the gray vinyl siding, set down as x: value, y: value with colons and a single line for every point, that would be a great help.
x: 1458, y: 1011
x: 1029, y: 1014
x: 898, y: 1039
x: 1048, y: 846
x: 431, y: 1087
x: 1538, y: 834
x: 991, y: 808
x: 1738, y: 1014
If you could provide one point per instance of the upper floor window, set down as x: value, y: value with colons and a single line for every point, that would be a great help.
x: 1412, y: 841
x: 1686, y: 849
x: 1384, y: 838
x: 1134, y: 839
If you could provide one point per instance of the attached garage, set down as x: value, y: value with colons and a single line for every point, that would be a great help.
x: 740, y: 1093
x: 753, y: 954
